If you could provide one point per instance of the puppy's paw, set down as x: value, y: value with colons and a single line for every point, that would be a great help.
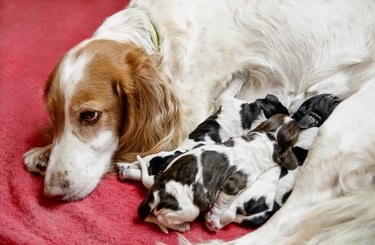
x: 213, y: 220
x: 181, y: 227
x: 36, y: 159
x: 129, y: 171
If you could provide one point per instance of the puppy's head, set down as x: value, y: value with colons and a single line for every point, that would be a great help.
x: 103, y: 98
x: 285, y: 131
x: 314, y: 111
x: 171, y: 201
x: 169, y: 206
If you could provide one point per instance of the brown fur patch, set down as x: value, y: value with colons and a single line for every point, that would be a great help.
x: 286, y: 135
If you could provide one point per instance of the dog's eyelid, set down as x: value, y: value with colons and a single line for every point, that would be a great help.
x: 90, y: 116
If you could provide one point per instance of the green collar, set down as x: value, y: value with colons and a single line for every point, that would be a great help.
x: 154, y: 38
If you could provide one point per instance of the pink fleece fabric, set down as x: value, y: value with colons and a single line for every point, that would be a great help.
x: 34, y: 35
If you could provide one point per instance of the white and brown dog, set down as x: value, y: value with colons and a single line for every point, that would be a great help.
x: 150, y: 73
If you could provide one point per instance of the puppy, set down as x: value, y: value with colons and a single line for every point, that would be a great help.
x: 255, y: 205
x: 190, y: 184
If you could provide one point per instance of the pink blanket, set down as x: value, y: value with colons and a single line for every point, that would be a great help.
x: 33, y: 36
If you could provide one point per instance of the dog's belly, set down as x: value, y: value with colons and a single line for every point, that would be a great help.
x: 294, y: 53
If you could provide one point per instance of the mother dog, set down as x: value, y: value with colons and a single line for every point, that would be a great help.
x: 151, y: 73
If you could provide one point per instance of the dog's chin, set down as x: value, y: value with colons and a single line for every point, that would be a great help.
x: 76, y: 197
x: 76, y: 193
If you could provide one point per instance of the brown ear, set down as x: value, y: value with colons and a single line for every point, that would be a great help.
x: 152, y: 117
x: 289, y: 160
x: 286, y: 137
x: 54, y: 103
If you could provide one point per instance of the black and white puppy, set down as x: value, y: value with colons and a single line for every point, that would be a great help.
x: 191, y: 182
x: 255, y: 205
x: 234, y: 118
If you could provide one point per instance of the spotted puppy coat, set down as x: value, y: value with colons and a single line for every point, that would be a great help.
x: 255, y: 204
x: 234, y: 118
x: 190, y: 184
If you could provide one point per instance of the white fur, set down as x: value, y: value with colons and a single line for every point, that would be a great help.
x: 84, y: 164
x: 306, y: 137
x: 72, y: 70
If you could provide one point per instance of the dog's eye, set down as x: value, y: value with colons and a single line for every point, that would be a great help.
x: 89, y: 116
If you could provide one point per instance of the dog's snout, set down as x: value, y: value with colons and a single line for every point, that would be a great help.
x: 56, y: 185
x: 54, y: 191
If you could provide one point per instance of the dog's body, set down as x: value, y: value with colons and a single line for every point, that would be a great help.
x: 110, y: 100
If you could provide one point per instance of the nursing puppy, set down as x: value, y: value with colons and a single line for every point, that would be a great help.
x: 257, y: 203
x: 191, y: 182
x: 234, y: 118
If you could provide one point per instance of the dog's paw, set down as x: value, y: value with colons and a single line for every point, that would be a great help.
x: 36, y: 159
x: 129, y: 171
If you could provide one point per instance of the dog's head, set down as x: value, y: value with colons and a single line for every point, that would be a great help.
x: 285, y: 131
x: 106, y: 100
x: 314, y: 111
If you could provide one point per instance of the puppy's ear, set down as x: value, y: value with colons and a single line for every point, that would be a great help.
x: 147, y: 206
x: 201, y: 199
x: 235, y: 183
x: 289, y: 160
x: 152, y: 116
x: 286, y: 136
